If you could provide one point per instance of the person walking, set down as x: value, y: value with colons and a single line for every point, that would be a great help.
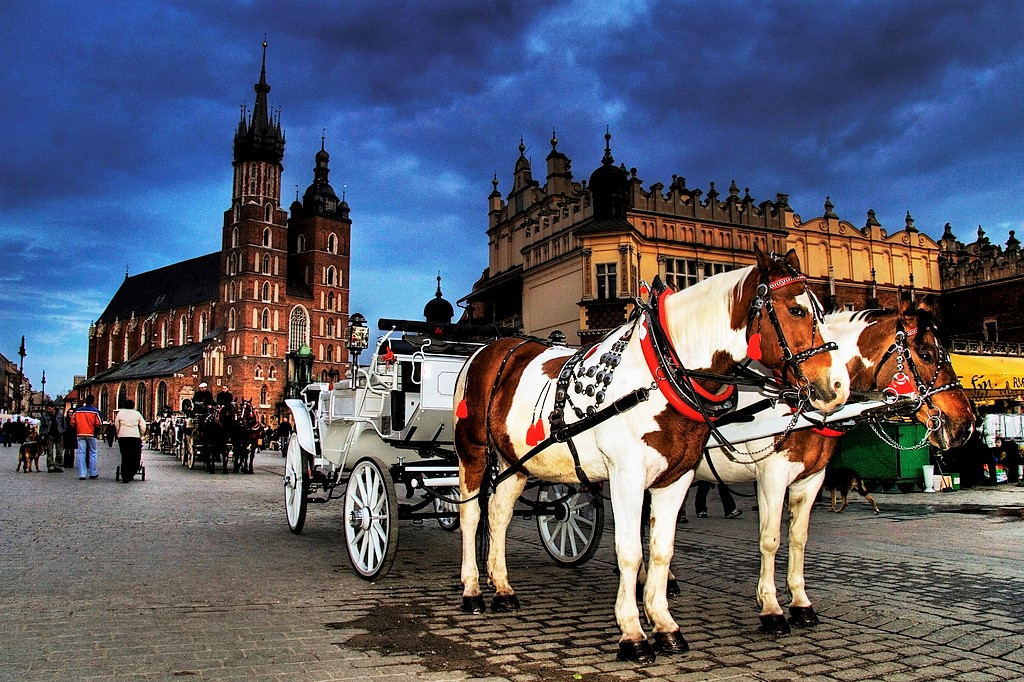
x: 284, y: 432
x: 728, y: 504
x: 51, y: 434
x: 70, y: 439
x: 88, y: 425
x: 131, y: 427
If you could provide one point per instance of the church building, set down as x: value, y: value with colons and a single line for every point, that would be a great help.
x: 262, y: 316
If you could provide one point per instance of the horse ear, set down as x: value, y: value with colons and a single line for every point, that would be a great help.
x: 793, y: 260
x: 764, y: 260
x: 929, y: 304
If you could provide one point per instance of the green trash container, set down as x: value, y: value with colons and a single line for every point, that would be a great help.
x: 880, y: 464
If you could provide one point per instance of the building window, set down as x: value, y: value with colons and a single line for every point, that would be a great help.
x: 202, y: 326
x: 163, y: 334
x: 265, y: 319
x: 330, y: 300
x: 266, y: 217
x: 125, y: 346
x: 161, y: 396
x: 234, y: 239
x: 266, y: 346
x: 266, y: 291
x: 122, y: 396
x: 264, y: 397
x: 300, y: 244
x: 991, y: 330
x: 298, y: 328
x: 330, y: 276
x: 104, y: 403
x: 607, y: 282
x: 232, y: 319
x: 332, y: 243
x: 330, y: 353
x: 140, y: 399
x: 273, y: 373
x: 259, y: 372
x: 681, y: 273
x: 266, y: 264
x: 181, y: 331
x: 266, y: 231
x: 330, y: 327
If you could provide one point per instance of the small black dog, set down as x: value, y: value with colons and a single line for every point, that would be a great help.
x: 841, y: 480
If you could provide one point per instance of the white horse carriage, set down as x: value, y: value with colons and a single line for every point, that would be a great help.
x: 392, y: 424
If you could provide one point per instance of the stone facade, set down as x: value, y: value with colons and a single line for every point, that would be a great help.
x: 982, y: 285
x: 569, y: 255
x: 241, y: 318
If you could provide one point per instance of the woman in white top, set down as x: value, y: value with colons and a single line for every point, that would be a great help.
x: 131, y: 427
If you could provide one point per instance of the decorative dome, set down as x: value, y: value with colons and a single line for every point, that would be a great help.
x: 609, y: 186
x: 438, y: 310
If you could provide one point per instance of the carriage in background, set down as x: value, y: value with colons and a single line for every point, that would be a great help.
x: 392, y: 423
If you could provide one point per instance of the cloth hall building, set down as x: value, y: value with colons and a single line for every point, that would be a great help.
x: 262, y: 316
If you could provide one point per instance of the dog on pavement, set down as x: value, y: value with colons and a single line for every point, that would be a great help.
x: 842, y: 480
x: 28, y: 453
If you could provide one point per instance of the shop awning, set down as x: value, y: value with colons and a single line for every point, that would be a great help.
x: 990, y: 376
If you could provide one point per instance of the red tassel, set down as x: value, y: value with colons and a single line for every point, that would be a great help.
x: 754, y: 347
x: 902, y: 384
x: 535, y: 433
x: 462, y: 411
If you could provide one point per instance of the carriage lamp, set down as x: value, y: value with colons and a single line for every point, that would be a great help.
x: 357, y: 338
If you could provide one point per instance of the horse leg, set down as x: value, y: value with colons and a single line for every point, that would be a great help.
x: 801, y: 499
x: 627, y: 500
x: 771, y: 495
x: 469, y: 520
x: 499, y: 516
x: 665, y: 503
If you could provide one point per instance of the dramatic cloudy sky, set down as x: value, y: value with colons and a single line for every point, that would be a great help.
x: 115, y: 148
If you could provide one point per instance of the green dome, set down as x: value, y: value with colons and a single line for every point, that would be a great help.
x: 305, y: 351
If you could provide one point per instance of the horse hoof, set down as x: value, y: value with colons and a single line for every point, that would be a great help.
x: 473, y: 605
x: 774, y: 624
x: 673, y: 588
x: 803, y: 616
x: 638, y: 652
x: 503, y: 603
x: 670, y: 642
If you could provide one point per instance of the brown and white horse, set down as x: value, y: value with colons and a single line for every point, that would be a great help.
x: 881, y: 348
x: 513, y: 392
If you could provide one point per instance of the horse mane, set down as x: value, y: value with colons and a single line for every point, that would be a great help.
x: 700, y: 319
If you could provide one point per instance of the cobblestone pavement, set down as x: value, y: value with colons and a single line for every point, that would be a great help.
x: 192, y: 575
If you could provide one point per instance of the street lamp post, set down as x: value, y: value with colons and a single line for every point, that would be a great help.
x: 21, y: 378
x: 42, y: 396
x: 357, y: 338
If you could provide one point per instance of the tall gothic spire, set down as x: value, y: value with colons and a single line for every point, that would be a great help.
x: 260, y: 138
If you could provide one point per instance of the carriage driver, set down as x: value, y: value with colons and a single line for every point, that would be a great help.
x: 202, y: 399
x: 224, y: 398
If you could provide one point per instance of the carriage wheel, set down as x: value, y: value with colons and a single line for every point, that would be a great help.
x: 450, y: 524
x: 572, y: 534
x: 371, y: 518
x: 296, y: 485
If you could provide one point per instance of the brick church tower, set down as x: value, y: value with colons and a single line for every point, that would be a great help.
x: 254, y: 254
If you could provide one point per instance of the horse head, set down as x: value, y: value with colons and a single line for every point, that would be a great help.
x: 944, y: 408
x: 785, y: 330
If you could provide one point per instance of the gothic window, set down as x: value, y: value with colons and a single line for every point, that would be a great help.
x: 607, y: 282
x: 232, y: 264
x: 265, y: 319
x: 273, y: 372
x: 181, y: 331
x: 161, y: 396
x: 232, y: 292
x: 140, y: 399
x: 323, y: 375
x: 259, y: 372
x: 332, y: 243
x: 125, y: 359
x: 232, y: 319
x: 330, y: 276
x: 234, y: 239
x: 298, y: 328
x: 330, y: 327
x: 266, y: 217
x: 266, y: 346
x: 236, y: 215
x: 330, y: 353
x: 266, y: 264
x: 263, y: 397
x: 122, y: 397
x: 330, y: 300
x: 163, y: 334
x: 266, y: 232
x: 104, y: 402
x: 266, y: 291
x: 300, y: 243
x: 202, y: 326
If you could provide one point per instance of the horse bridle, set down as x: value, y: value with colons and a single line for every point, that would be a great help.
x: 762, y: 304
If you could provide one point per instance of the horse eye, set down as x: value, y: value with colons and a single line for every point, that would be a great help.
x: 926, y: 355
x: 797, y: 311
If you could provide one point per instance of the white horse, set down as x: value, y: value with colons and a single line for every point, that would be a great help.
x: 635, y: 417
x: 877, y: 346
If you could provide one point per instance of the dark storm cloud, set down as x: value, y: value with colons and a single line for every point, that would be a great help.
x: 119, y: 119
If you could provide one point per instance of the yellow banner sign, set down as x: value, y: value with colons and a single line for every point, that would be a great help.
x: 990, y: 376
